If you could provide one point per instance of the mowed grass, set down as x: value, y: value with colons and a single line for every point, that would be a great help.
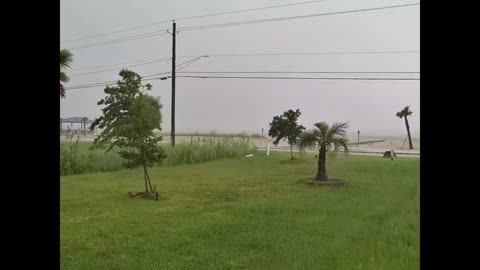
x: 245, y: 213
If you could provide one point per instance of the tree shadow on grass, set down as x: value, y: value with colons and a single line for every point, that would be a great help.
x: 332, y: 182
x: 293, y: 161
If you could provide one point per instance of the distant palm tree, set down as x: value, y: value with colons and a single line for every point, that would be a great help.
x: 66, y: 58
x: 403, y: 114
x: 325, y: 137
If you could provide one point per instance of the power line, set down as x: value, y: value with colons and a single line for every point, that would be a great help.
x: 112, y: 82
x: 302, y: 72
x: 89, y: 85
x: 181, y: 65
x: 303, y: 78
x: 153, y: 60
x: 186, y: 64
x: 124, y: 63
x: 191, y: 17
x: 245, y: 77
x: 120, y: 40
x: 114, y: 69
x: 252, y: 54
x: 142, y: 64
x: 191, y: 28
x: 247, y: 10
x: 306, y: 53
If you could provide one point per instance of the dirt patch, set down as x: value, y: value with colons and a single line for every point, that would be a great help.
x: 332, y: 182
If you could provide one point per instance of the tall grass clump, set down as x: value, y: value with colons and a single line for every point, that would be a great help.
x: 209, y: 149
x: 77, y: 158
x: 69, y: 158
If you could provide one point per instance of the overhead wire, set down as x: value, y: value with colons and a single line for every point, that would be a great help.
x: 181, y: 65
x: 251, y: 54
x: 187, y: 63
x: 120, y: 40
x: 250, y: 77
x: 302, y: 78
x: 191, y: 17
x: 97, y: 84
x: 114, y: 69
x: 200, y: 27
x: 208, y: 26
x: 299, y: 72
x: 124, y: 63
x: 305, y: 53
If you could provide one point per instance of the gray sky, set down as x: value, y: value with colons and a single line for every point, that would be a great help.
x: 230, y: 105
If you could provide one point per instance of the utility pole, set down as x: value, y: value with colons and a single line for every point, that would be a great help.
x: 261, y: 138
x: 174, y: 33
x: 358, y: 138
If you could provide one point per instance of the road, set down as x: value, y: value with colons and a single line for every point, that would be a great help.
x: 352, y: 151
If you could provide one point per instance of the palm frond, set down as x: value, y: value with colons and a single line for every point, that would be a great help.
x: 66, y: 58
x: 323, y: 128
x: 338, y: 129
x: 405, y: 112
x: 308, y: 139
x: 62, y: 91
x: 340, y: 143
x: 64, y: 77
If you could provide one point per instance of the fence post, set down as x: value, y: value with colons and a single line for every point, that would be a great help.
x: 268, y: 149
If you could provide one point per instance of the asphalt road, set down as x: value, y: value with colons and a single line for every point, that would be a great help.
x: 352, y: 151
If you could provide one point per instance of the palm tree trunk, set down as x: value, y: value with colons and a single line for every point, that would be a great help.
x: 322, y: 171
x: 291, y: 151
x: 408, y: 132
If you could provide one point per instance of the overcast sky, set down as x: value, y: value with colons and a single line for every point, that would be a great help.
x: 233, y: 105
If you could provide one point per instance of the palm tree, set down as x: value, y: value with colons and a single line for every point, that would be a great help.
x: 403, y: 114
x: 66, y: 58
x: 325, y: 136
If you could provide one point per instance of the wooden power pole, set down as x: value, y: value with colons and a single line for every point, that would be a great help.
x: 358, y: 138
x: 174, y: 34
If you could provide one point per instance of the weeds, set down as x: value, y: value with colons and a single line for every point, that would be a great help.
x: 77, y: 158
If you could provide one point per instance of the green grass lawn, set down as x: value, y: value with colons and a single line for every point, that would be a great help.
x: 245, y: 213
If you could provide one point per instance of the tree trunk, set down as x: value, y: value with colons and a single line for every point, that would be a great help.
x: 145, y: 177
x: 322, y: 171
x: 291, y: 151
x: 148, y: 178
x: 408, y: 133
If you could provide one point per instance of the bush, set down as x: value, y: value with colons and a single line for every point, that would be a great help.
x: 68, y: 158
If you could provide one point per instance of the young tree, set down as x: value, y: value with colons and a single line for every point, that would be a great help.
x: 285, y: 127
x: 403, y: 114
x: 66, y: 58
x: 129, y: 118
x: 325, y: 136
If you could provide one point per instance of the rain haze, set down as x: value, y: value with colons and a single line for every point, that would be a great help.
x: 236, y: 105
